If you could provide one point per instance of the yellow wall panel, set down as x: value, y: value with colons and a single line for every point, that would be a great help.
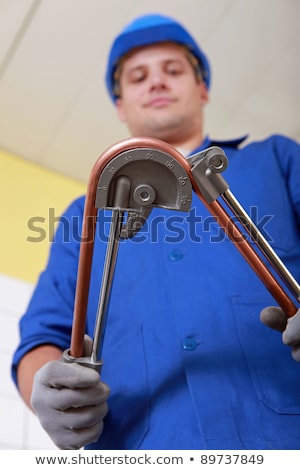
x: 31, y: 197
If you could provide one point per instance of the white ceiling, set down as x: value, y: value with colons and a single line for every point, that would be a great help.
x: 54, y: 109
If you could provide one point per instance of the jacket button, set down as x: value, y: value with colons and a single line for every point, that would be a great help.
x: 175, y: 255
x: 189, y: 344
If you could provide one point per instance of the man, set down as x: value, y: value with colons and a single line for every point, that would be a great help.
x: 187, y: 362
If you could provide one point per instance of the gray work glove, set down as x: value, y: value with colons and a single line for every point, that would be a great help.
x: 70, y: 402
x: 276, y: 319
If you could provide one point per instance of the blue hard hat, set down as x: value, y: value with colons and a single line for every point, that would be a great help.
x: 151, y: 29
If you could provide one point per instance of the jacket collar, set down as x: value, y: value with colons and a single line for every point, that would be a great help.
x: 207, y: 142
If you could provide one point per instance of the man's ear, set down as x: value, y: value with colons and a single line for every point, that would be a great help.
x: 203, y: 93
x: 120, y: 110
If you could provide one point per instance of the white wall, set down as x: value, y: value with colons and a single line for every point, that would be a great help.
x: 19, y: 428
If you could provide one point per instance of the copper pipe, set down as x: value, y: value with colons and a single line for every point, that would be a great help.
x: 250, y: 255
x: 88, y: 234
x: 88, y: 231
x: 243, y: 246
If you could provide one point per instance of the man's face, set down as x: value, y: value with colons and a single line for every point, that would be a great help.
x: 160, y: 94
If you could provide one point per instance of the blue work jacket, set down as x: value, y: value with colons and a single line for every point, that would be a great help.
x: 189, y: 363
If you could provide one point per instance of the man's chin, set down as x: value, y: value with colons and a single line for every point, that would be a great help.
x: 164, y: 129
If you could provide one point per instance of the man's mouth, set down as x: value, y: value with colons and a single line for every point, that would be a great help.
x: 159, y: 102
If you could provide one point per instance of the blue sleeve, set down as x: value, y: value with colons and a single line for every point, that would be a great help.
x: 287, y: 153
x: 48, y: 318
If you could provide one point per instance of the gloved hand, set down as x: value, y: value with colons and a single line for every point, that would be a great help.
x: 276, y: 319
x: 70, y: 402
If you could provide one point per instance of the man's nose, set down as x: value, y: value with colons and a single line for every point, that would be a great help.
x: 157, y: 79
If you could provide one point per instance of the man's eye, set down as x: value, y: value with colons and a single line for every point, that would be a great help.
x: 137, y: 77
x: 174, y: 70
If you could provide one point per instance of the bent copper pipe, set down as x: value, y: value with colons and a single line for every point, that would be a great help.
x: 88, y: 231
x: 218, y: 212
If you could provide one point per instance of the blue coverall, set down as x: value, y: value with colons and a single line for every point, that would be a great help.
x: 189, y: 363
